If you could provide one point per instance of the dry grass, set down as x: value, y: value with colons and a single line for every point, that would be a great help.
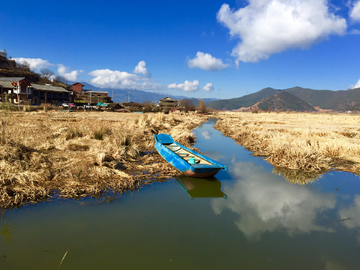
x: 311, y: 143
x: 81, y: 154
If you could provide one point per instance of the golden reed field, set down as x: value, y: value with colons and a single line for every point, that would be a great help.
x: 83, y: 153
x: 301, y: 146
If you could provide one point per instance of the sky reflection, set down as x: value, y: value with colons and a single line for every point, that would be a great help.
x: 265, y: 202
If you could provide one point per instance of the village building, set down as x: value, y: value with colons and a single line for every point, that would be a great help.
x: 16, y: 88
x: 168, y: 102
x: 48, y: 94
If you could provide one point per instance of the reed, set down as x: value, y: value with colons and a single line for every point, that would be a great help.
x: 298, y: 141
x: 58, y: 151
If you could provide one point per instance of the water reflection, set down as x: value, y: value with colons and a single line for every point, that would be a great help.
x: 201, y: 187
x: 207, y: 134
x: 266, y: 203
x: 296, y: 176
x: 6, y: 230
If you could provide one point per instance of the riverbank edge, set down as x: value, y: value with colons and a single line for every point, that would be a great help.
x: 130, y: 173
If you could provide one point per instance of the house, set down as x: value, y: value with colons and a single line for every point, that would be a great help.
x: 17, y: 89
x: 78, y: 88
x: 48, y: 94
x: 168, y: 102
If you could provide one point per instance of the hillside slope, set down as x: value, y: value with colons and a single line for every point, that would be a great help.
x: 284, y: 101
x: 245, y: 101
x: 336, y: 100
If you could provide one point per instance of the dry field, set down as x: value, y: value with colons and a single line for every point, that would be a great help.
x: 83, y: 153
x: 301, y: 146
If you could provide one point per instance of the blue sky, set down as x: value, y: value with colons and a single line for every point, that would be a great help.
x: 193, y: 48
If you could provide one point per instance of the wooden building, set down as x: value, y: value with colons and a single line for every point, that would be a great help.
x: 49, y: 94
x: 78, y: 88
x: 17, y: 89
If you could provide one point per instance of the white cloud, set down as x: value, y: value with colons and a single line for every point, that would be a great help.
x: 207, y: 62
x: 266, y: 27
x: 356, y: 85
x: 35, y: 63
x: 355, y: 11
x: 121, y: 80
x: 141, y: 69
x: 70, y: 76
x: 208, y: 87
x: 186, y: 86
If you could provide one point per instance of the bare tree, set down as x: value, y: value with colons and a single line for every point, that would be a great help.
x: 61, y: 79
x: 47, y: 73
x: 3, y: 53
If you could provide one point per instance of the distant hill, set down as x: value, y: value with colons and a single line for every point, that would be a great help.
x: 341, y: 100
x: 245, y: 101
x: 336, y: 100
x: 121, y: 95
x: 284, y: 101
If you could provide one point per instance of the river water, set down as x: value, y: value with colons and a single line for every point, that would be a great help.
x: 247, y: 218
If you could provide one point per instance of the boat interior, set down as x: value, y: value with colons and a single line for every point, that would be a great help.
x: 186, y: 155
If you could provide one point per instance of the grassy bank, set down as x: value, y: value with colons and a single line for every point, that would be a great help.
x: 82, y: 154
x: 306, y: 144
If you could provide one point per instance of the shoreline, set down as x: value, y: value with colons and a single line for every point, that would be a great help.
x: 84, y: 154
x: 297, y: 144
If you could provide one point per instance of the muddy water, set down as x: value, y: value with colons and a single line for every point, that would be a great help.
x: 247, y: 218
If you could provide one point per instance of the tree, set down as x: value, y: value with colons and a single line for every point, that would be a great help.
x: 24, y: 65
x: 202, y: 106
x: 47, y: 73
x: 3, y: 53
x: 60, y: 79
x: 187, y: 104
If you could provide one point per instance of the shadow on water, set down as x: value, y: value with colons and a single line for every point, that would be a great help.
x: 201, y: 187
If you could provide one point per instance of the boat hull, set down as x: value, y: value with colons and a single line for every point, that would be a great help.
x: 171, y: 151
x: 201, y: 174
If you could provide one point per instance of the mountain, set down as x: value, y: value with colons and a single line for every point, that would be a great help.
x: 284, y: 101
x: 336, y: 100
x: 341, y: 100
x: 245, y: 101
x: 121, y: 95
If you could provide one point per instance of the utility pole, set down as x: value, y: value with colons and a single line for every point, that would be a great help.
x: 128, y: 96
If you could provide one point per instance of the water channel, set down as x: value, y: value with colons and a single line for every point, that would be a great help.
x: 247, y: 218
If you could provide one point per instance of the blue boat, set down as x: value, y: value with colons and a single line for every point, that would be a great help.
x: 187, y: 161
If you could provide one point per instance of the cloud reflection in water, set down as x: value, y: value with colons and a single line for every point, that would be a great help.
x: 267, y: 203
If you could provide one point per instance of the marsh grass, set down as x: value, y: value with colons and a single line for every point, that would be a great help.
x: 57, y: 151
x: 298, y: 141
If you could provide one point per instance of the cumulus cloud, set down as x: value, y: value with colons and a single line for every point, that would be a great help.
x: 208, y: 87
x: 186, y: 86
x: 355, y: 11
x: 207, y: 62
x: 121, y: 79
x: 70, y: 76
x: 35, y: 63
x: 266, y: 27
x: 141, y: 69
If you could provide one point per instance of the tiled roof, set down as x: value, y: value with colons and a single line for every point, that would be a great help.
x: 12, y: 79
x: 6, y: 84
x: 48, y: 88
